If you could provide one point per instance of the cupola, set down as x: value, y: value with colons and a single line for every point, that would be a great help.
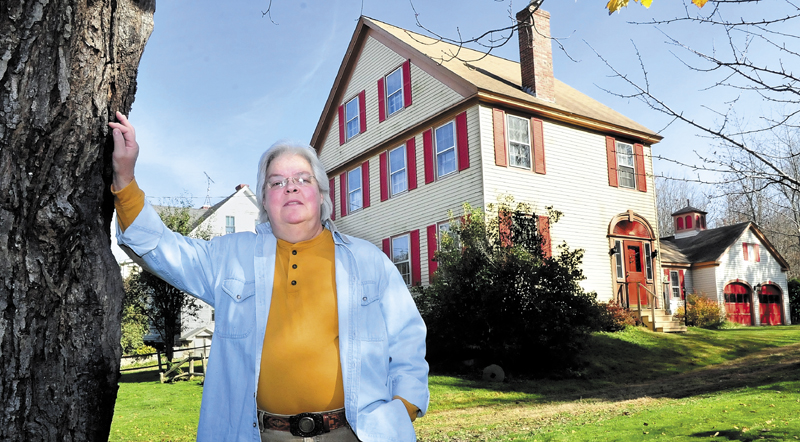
x: 688, y: 221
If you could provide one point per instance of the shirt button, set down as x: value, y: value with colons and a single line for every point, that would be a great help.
x: 255, y: 424
x: 238, y: 296
x: 294, y: 252
x: 294, y: 266
x: 364, y: 298
x: 294, y: 282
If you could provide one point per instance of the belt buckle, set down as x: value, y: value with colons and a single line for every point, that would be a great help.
x: 306, y: 424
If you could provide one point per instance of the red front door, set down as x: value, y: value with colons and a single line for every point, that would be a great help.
x: 769, y: 299
x: 634, y: 272
x: 737, y: 303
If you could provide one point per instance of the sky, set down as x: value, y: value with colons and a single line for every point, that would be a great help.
x: 219, y: 82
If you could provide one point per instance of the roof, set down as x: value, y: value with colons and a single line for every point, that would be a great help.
x: 688, y: 209
x: 486, y: 76
x: 709, y: 245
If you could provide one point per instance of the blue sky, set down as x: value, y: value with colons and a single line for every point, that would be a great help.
x: 219, y: 83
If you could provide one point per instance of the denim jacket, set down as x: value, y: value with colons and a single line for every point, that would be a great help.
x: 381, y: 334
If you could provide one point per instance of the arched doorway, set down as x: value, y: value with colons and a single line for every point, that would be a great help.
x: 631, y: 239
x: 738, y: 300
x: 769, y: 299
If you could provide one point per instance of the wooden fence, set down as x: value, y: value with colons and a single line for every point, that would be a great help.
x: 189, y: 356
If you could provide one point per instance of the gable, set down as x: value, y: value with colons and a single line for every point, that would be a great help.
x: 371, y: 63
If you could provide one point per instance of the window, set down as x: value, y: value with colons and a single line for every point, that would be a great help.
x: 519, y: 142
x: 351, y: 118
x: 625, y: 165
x: 401, y: 257
x: 688, y: 221
x: 354, y: 194
x: 230, y: 224
x: 445, y: 149
x: 675, y: 284
x: 751, y: 252
x: 397, y: 170
x: 648, y: 261
x: 618, y: 258
x: 394, y: 91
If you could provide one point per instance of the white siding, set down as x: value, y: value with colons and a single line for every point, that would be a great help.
x: 733, y: 265
x: 429, y: 96
x: 242, y: 206
x: 418, y: 208
x: 576, y: 183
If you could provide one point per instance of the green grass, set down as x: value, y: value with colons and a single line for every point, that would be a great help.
x: 735, y: 384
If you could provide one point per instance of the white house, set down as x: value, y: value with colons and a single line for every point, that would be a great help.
x: 736, y: 266
x: 410, y: 132
x: 236, y: 213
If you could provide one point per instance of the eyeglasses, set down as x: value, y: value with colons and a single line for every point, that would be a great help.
x: 299, y: 181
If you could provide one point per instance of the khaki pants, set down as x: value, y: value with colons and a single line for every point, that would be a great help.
x: 343, y: 434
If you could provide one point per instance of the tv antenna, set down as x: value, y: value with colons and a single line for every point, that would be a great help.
x: 207, y: 202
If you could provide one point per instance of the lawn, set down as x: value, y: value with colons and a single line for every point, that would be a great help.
x: 739, y: 384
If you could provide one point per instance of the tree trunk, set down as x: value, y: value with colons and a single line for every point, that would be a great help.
x: 65, y: 66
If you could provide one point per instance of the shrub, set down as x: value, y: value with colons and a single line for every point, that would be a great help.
x: 614, y: 317
x: 497, y: 299
x: 703, y: 312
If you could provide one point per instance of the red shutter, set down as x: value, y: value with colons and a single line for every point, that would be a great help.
x: 757, y: 252
x: 641, y: 176
x: 499, y: 124
x: 416, y: 271
x: 679, y: 223
x: 683, y: 287
x: 407, y: 83
x: 332, y: 192
x: 341, y: 125
x: 365, y: 183
x: 462, y: 141
x: 611, y: 156
x: 362, y: 111
x: 343, y: 192
x: 411, y: 163
x: 427, y: 151
x: 544, y: 231
x: 537, y: 129
x: 384, y: 166
x: 381, y: 100
x: 744, y: 250
x: 432, y: 243
x: 387, y: 245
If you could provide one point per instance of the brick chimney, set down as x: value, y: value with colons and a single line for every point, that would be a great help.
x: 240, y: 186
x: 536, y: 53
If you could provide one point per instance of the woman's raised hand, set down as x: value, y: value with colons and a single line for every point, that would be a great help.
x: 126, y: 150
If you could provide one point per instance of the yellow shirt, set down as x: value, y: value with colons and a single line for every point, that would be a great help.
x: 300, y: 367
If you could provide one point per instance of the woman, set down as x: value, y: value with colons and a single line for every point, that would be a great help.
x: 316, y: 335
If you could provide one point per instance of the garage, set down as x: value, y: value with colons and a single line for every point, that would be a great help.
x: 738, y: 302
x: 769, y: 299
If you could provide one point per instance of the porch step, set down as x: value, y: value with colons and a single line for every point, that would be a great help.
x: 660, y: 321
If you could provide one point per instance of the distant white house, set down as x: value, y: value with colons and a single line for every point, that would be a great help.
x: 236, y: 213
x: 736, y: 266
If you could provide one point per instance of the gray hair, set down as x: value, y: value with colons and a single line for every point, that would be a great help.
x: 307, y: 152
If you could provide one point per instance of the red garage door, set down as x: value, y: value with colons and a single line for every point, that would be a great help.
x: 770, y: 299
x: 737, y: 303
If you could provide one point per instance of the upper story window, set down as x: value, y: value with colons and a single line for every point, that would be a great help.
x: 519, y: 142
x: 751, y: 252
x: 230, y: 224
x: 445, y: 149
x: 354, y: 192
x: 394, y: 91
x: 401, y: 256
x: 397, y: 170
x: 351, y: 118
x: 625, y: 165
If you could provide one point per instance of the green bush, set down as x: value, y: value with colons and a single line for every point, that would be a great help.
x: 496, y: 298
x: 614, y: 317
x: 703, y: 312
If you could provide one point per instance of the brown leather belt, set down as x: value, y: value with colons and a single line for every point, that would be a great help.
x: 303, y: 424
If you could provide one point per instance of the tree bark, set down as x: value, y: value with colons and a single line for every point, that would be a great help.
x: 65, y: 67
